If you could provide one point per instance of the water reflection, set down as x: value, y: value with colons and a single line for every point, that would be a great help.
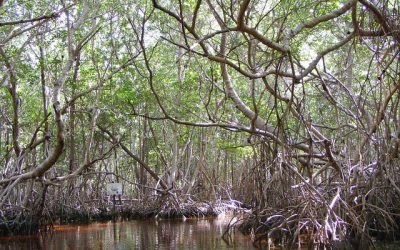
x: 146, y: 234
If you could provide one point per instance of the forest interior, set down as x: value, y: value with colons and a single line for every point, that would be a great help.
x: 284, y: 110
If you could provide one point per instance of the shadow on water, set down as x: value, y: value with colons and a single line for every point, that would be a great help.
x: 139, y: 234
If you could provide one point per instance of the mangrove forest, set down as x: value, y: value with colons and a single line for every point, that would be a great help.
x: 284, y: 113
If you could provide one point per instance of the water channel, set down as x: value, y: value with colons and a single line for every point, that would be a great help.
x: 137, y: 234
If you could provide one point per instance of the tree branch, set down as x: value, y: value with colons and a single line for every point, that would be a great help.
x: 53, y: 15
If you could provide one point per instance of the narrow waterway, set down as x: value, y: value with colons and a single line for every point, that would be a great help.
x: 138, y: 234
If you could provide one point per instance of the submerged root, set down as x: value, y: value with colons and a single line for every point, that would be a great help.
x: 324, y: 220
x: 20, y: 224
x: 16, y: 224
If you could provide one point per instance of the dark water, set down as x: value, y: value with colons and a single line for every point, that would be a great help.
x: 142, y: 234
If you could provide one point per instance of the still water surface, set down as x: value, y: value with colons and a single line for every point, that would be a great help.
x: 139, y: 234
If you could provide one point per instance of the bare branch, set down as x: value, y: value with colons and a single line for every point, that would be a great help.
x: 316, y: 21
x: 53, y: 15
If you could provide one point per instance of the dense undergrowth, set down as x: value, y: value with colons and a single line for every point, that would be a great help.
x: 18, y: 224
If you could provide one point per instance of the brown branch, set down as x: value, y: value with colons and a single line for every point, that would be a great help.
x: 314, y: 22
x: 380, y: 17
x: 328, y: 152
x: 22, y: 30
x: 321, y: 54
x: 53, y: 15
x: 136, y: 158
x: 195, y: 13
x: 273, y: 45
x: 242, y: 10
